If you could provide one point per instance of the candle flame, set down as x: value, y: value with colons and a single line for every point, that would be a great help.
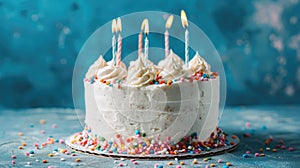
x: 169, y: 21
x: 114, y: 26
x: 184, y: 20
x: 119, y: 24
x: 145, y: 26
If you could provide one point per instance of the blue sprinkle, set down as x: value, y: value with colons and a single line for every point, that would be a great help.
x: 263, y: 127
x: 89, y: 131
x: 31, y: 152
x: 57, y: 140
x: 50, y: 136
x: 225, y: 166
x: 111, y: 85
x: 160, y: 166
x: 144, y: 144
x: 31, y: 126
x: 204, y: 75
x: 156, y: 83
x: 56, y: 150
x: 110, y: 142
x: 174, y: 80
x: 92, y: 80
x: 151, y: 151
x: 245, y: 155
x: 137, y: 132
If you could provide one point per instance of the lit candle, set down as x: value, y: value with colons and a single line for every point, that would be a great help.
x: 145, y: 27
x: 184, y: 22
x: 119, y: 29
x: 113, y: 29
x: 168, y: 25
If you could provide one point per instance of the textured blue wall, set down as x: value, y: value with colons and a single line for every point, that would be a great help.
x: 257, y: 40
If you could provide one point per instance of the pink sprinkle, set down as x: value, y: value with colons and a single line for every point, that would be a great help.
x: 113, y: 81
x: 54, y: 126
x: 36, y: 144
x: 168, y: 138
x: 132, y: 160
x: 73, y: 154
x: 138, y: 135
x: 156, y: 165
x: 135, y: 163
x: 191, y: 79
x: 207, y: 166
x: 13, y: 156
x: 247, y: 124
x: 120, y: 164
x: 256, y: 154
x: 220, y: 161
x: 26, y: 153
x: 282, y: 147
x: 50, y: 166
x: 178, y: 166
x: 291, y: 149
x: 13, y: 162
x: 182, y: 79
x: 43, y: 132
x: 248, y: 152
x: 62, y: 141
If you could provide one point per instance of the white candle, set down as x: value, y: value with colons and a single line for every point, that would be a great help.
x: 145, y: 27
x: 186, y: 48
x: 168, y: 25
x: 114, y: 27
x: 184, y: 22
x: 119, y: 28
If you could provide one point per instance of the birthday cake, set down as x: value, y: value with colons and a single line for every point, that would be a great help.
x: 149, y: 109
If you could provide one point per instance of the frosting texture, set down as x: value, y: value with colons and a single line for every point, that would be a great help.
x: 198, y: 64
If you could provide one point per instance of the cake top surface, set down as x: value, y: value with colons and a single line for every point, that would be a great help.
x: 139, y: 74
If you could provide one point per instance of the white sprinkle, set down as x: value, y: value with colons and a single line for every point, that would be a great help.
x: 28, y: 163
x: 62, y: 159
x: 122, y: 159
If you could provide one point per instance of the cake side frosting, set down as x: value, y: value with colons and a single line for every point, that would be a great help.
x: 163, y: 103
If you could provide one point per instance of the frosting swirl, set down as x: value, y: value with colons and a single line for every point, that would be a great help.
x: 198, y: 64
x: 164, y: 63
x: 98, y: 64
x: 173, y: 68
x: 134, y: 64
x: 110, y: 73
x: 138, y: 75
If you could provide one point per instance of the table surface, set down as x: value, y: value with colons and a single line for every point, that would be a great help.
x: 258, y: 122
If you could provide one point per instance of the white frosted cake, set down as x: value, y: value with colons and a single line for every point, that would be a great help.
x: 151, y: 109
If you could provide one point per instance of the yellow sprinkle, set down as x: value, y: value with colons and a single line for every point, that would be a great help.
x: 261, y: 149
x: 262, y: 154
x: 205, y: 159
x: 274, y: 150
x: 181, y: 163
x: 170, y: 163
x: 50, y: 154
x: 42, y: 121
x: 78, y: 160
x: 228, y: 164
x: 212, y: 165
x: 24, y: 144
x: 20, y: 134
x: 20, y: 147
x: 195, y: 162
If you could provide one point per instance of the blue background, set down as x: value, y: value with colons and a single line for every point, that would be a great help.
x: 40, y: 40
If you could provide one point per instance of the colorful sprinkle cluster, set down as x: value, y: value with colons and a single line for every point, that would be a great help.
x: 144, y: 146
x: 158, y: 79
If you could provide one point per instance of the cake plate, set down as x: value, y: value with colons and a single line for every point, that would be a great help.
x: 233, y: 139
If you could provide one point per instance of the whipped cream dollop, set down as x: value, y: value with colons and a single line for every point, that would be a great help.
x: 139, y: 75
x: 165, y: 62
x: 112, y: 73
x: 198, y: 64
x: 173, y: 68
x: 98, y: 64
x: 135, y: 63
